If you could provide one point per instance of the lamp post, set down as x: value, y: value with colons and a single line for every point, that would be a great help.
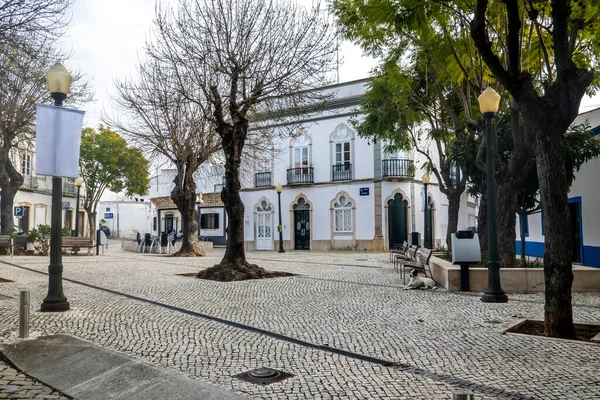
x: 59, y: 84
x: 278, y: 189
x: 426, y: 244
x: 78, y: 183
x: 489, y: 101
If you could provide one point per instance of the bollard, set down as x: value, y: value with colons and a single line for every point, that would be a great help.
x: 463, y: 395
x: 24, y: 314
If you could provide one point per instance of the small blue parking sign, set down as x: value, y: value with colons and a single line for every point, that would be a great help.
x: 19, y: 211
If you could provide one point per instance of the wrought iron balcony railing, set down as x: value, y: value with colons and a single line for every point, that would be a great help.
x: 341, y: 172
x: 400, y: 168
x: 299, y: 176
x: 262, y: 179
x: 30, y: 182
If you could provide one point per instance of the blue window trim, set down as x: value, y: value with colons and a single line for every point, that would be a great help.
x: 595, y: 131
x: 526, y: 233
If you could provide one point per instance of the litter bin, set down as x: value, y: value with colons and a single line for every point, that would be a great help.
x: 415, y: 239
x: 465, y: 252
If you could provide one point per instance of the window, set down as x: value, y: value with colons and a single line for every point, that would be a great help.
x: 342, y: 153
x: 263, y: 166
x: 154, y: 223
x: 107, y: 209
x: 301, y: 157
x: 26, y: 165
x: 342, y: 214
x: 209, y: 221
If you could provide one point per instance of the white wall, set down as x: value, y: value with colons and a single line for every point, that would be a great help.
x: 130, y: 217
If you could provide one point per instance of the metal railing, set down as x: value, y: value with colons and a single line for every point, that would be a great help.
x: 341, y: 172
x: 398, y: 167
x: 262, y: 179
x: 298, y: 176
x: 30, y: 181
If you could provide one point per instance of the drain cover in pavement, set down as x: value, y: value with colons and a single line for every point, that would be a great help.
x: 263, y: 376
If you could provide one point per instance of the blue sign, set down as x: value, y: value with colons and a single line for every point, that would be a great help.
x: 66, y: 205
x: 19, y: 211
x: 364, y: 191
x: 110, y: 215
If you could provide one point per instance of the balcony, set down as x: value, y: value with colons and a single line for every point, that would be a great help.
x: 262, y: 179
x: 300, y: 176
x: 69, y: 188
x: 30, y: 182
x: 397, y: 168
x: 341, y: 172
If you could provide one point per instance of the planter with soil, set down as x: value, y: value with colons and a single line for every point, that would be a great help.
x: 584, y: 332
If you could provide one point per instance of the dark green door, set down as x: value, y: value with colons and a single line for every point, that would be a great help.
x: 302, y: 229
x: 397, y: 220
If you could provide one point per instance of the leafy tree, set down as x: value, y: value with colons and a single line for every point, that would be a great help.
x: 107, y: 162
x: 236, y: 59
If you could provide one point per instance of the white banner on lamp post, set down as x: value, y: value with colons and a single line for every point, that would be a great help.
x: 57, y: 141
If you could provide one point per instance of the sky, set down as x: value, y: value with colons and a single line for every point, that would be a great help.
x: 106, y: 39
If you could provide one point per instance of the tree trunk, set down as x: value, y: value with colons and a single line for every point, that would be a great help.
x: 233, y: 266
x: 482, y: 223
x: 91, y: 222
x: 505, y: 214
x: 10, y: 182
x: 184, y: 197
x: 558, y: 272
x: 453, y: 210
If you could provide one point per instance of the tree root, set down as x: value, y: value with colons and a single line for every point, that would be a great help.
x: 238, y: 271
x: 197, y: 252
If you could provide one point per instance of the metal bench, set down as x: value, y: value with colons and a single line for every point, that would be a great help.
x: 421, y: 263
x: 75, y: 243
x: 6, y: 242
x: 398, y: 249
x: 409, y: 255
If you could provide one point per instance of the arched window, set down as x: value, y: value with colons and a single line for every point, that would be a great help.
x: 342, y: 214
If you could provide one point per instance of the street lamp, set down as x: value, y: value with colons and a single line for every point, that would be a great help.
x: 78, y: 183
x: 59, y: 85
x: 426, y: 179
x: 278, y: 189
x: 489, y: 102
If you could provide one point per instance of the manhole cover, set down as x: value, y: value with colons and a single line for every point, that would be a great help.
x: 263, y: 376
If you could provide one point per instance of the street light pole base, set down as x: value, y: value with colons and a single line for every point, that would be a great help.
x: 500, y: 297
x: 55, y: 306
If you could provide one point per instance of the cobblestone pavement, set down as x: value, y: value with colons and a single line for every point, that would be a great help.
x: 347, y: 304
x: 15, y: 385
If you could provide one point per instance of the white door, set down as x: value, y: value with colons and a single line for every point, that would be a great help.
x: 264, y: 231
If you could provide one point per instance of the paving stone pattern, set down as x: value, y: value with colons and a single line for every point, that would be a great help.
x: 15, y: 385
x: 439, y: 341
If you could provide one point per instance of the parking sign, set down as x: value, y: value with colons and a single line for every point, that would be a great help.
x: 19, y: 210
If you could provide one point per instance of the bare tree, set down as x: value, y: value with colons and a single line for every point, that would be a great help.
x: 22, y: 86
x: 242, y: 57
x: 20, y: 19
x: 159, y: 119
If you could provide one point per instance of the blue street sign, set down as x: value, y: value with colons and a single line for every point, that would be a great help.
x: 364, y: 191
x: 111, y: 215
x: 19, y: 210
x: 66, y: 205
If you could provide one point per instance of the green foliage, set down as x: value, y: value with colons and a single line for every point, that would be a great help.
x: 107, y: 162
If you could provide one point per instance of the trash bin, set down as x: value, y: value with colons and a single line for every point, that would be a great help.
x: 415, y: 239
x: 465, y: 252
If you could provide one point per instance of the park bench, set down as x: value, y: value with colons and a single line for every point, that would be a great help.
x: 398, y: 249
x: 6, y: 242
x: 409, y: 255
x: 75, y: 243
x: 421, y: 263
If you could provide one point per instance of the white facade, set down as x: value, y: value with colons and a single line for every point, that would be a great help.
x: 35, y: 196
x: 127, y: 217
x: 584, y: 198
x: 339, y: 190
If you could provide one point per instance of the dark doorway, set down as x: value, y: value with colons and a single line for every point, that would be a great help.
x: 24, y: 222
x: 302, y: 229
x: 168, y: 223
x: 81, y: 227
x: 575, y: 215
x: 68, y: 220
x: 397, y: 220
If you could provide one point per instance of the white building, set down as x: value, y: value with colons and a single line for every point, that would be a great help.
x: 584, y: 197
x: 35, y: 197
x: 339, y: 190
x: 125, y: 218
